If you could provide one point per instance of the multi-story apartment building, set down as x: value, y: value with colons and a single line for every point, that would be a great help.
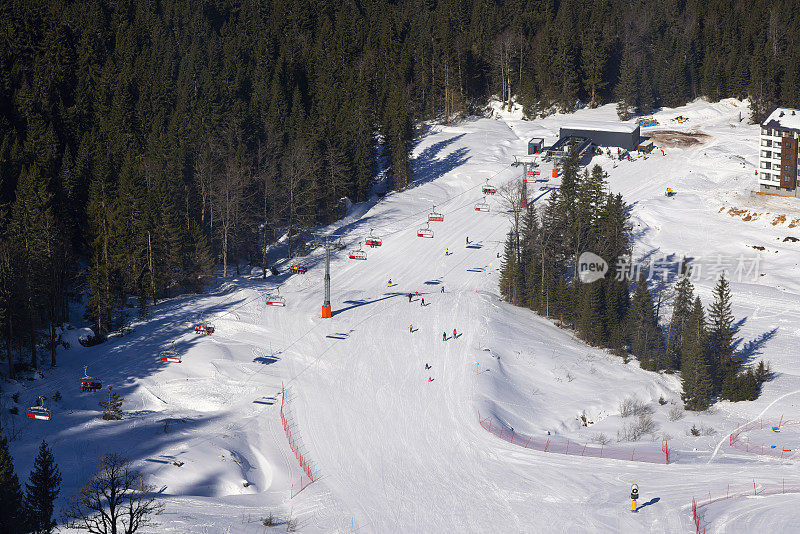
x: 778, y: 158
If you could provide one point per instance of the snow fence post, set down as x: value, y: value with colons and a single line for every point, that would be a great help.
x: 754, y: 486
x: 567, y: 453
x: 632, y: 453
x: 529, y: 440
x: 601, y: 450
x: 546, y: 445
x: 584, y: 449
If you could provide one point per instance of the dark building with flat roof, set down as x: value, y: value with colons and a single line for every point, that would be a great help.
x: 605, y: 134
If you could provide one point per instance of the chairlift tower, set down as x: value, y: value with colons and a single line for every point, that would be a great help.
x: 528, y: 163
x: 328, y: 246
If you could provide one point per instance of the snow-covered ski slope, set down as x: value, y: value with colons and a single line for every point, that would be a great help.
x: 395, y: 452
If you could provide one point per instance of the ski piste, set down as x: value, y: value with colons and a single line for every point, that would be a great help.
x: 393, y: 452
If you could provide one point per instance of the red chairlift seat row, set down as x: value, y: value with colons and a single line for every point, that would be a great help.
x: 357, y: 253
x: 39, y: 411
x: 275, y: 299
x: 373, y: 240
x: 433, y: 216
x: 90, y: 383
x: 425, y: 232
x: 299, y: 268
x: 482, y: 206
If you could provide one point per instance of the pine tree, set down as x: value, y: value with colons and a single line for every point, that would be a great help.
x: 509, y: 272
x: 681, y: 309
x: 627, y: 86
x: 721, y: 340
x: 644, y: 334
x: 695, y: 377
x: 112, y: 406
x: 41, y: 492
x: 11, y: 511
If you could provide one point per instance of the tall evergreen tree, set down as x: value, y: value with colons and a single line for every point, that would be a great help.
x: 11, y: 511
x: 644, y: 334
x: 695, y: 377
x: 721, y: 339
x: 41, y: 492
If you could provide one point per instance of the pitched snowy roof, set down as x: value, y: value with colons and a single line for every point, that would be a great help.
x: 621, y: 127
x: 783, y: 118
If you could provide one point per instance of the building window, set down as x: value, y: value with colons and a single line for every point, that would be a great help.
x: 766, y: 154
x: 765, y: 165
x: 764, y: 131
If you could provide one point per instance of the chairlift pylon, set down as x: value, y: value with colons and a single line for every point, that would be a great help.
x: 170, y: 355
x: 275, y: 298
x: 89, y: 383
x: 373, y: 240
x: 435, y: 217
x: 488, y: 189
x: 357, y: 254
x: 39, y: 411
x: 425, y: 232
x: 482, y: 206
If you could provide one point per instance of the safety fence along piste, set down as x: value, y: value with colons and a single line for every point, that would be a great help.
x: 308, y: 476
x: 772, y: 443
x: 575, y: 448
x: 739, y: 491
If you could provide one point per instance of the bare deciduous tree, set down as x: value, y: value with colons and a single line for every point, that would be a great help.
x: 298, y: 169
x: 115, y: 500
x: 228, y: 196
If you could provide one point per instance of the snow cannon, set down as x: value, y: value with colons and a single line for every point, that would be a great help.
x: 634, y: 496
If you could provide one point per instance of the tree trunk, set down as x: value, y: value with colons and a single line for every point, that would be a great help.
x: 10, y: 352
x: 52, y: 343
x: 150, y: 262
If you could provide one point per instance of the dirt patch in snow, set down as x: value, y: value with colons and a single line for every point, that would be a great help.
x: 674, y: 138
x: 747, y: 215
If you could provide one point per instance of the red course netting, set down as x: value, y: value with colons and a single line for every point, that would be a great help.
x: 574, y: 448
x: 739, y: 491
x: 775, y: 449
x: 304, y: 465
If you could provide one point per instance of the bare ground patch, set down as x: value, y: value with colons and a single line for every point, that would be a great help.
x: 674, y: 138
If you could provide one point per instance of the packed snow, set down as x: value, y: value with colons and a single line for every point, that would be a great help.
x: 395, y: 446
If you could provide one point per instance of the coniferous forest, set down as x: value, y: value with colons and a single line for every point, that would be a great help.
x: 142, y: 144
x: 619, y: 311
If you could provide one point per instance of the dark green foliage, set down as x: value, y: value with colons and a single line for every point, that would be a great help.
x: 41, y: 491
x: 644, y: 334
x: 11, y: 511
x: 112, y: 406
x: 539, y: 268
x: 695, y: 377
x: 721, y: 339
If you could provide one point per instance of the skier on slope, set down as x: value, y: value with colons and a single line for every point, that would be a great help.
x: 411, y: 328
x: 423, y: 302
x: 430, y: 379
x: 467, y: 240
x: 446, y: 252
x: 454, y: 333
x: 409, y: 297
x: 444, y: 336
x: 442, y: 289
x: 389, y: 284
x: 427, y: 366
